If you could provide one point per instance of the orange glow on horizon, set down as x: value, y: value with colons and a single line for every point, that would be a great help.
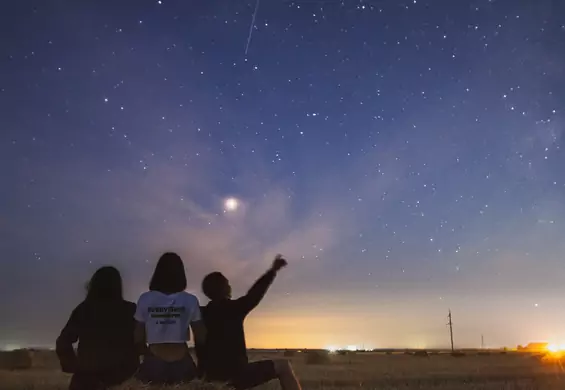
x: 556, y: 348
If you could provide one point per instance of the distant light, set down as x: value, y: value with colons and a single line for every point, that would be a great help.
x: 352, y: 348
x: 331, y: 348
x: 556, y: 348
x: 231, y: 204
x: 12, y: 347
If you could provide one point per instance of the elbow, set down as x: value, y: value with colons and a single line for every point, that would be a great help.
x: 63, y: 344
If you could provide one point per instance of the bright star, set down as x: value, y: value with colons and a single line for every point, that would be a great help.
x: 231, y: 204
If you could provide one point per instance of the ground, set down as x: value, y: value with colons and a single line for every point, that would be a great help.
x: 369, y: 371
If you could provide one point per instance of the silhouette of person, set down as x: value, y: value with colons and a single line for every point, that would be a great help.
x: 223, y: 358
x: 164, y: 317
x: 103, y: 325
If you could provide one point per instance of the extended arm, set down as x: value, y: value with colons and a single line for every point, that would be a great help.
x: 256, y: 293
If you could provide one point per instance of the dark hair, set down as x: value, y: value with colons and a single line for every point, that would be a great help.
x: 105, y: 285
x: 214, y: 285
x: 169, y: 276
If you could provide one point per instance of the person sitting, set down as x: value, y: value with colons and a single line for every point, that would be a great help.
x: 103, y: 325
x: 223, y: 358
x: 164, y: 317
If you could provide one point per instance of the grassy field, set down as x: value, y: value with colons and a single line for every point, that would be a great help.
x: 366, y: 371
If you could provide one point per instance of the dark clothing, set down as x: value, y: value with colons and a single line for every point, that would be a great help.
x: 159, y: 372
x: 99, y: 380
x: 106, y: 348
x: 253, y: 374
x: 224, y: 355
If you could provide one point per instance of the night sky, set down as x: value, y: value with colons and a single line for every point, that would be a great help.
x: 405, y: 156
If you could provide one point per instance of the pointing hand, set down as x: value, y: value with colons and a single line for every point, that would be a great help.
x: 279, y: 263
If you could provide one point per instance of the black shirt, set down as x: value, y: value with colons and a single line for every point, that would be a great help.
x: 225, y: 351
x: 104, y: 332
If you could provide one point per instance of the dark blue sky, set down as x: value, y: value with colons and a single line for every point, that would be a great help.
x: 405, y: 156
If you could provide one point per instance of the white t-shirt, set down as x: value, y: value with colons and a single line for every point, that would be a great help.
x: 167, y: 317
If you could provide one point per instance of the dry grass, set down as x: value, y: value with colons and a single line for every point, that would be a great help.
x: 369, y: 371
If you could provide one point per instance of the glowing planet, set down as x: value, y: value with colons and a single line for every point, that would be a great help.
x: 231, y: 204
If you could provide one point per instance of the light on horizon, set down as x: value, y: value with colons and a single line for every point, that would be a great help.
x: 333, y: 348
x: 11, y: 347
x: 554, y: 348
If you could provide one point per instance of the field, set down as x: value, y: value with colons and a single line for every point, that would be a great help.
x: 364, y: 371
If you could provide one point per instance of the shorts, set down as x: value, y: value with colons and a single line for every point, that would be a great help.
x: 160, y: 372
x: 253, y: 374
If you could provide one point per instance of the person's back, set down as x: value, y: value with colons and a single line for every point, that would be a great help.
x: 225, y: 345
x: 103, y: 325
x: 165, y: 315
x: 104, y: 334
x: 223, y: 358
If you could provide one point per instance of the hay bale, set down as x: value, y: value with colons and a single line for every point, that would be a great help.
x: 288, y: 353
x: 538, y: 356
x: 422, y: 353
x: 45, y: 359
x: 19, y: 359
x: 317, y: 358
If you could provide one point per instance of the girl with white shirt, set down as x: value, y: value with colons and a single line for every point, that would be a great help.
x: 165, y: 314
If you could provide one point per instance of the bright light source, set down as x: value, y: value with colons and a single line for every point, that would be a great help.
x: 352, y: 348
x: 331, y: 348
x: 556, y: 348
x: 231, y: 204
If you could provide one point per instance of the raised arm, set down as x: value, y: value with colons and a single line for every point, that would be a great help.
x: 256, y: 293
x: 64, y: 344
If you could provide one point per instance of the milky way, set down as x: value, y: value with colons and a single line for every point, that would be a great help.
x: 406, y: 157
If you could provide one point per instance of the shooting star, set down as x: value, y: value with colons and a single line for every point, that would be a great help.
x: 251, y: 27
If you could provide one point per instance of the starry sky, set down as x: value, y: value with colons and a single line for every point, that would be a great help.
x: 405, y: 156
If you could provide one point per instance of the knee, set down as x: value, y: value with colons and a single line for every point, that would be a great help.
x: 282, y: 367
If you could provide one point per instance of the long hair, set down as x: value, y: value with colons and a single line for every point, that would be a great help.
x: 169, y: 276
x: 105, y: 286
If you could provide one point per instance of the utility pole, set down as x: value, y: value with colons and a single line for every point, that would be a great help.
x: 450, y: 330
x: 482, y: 342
